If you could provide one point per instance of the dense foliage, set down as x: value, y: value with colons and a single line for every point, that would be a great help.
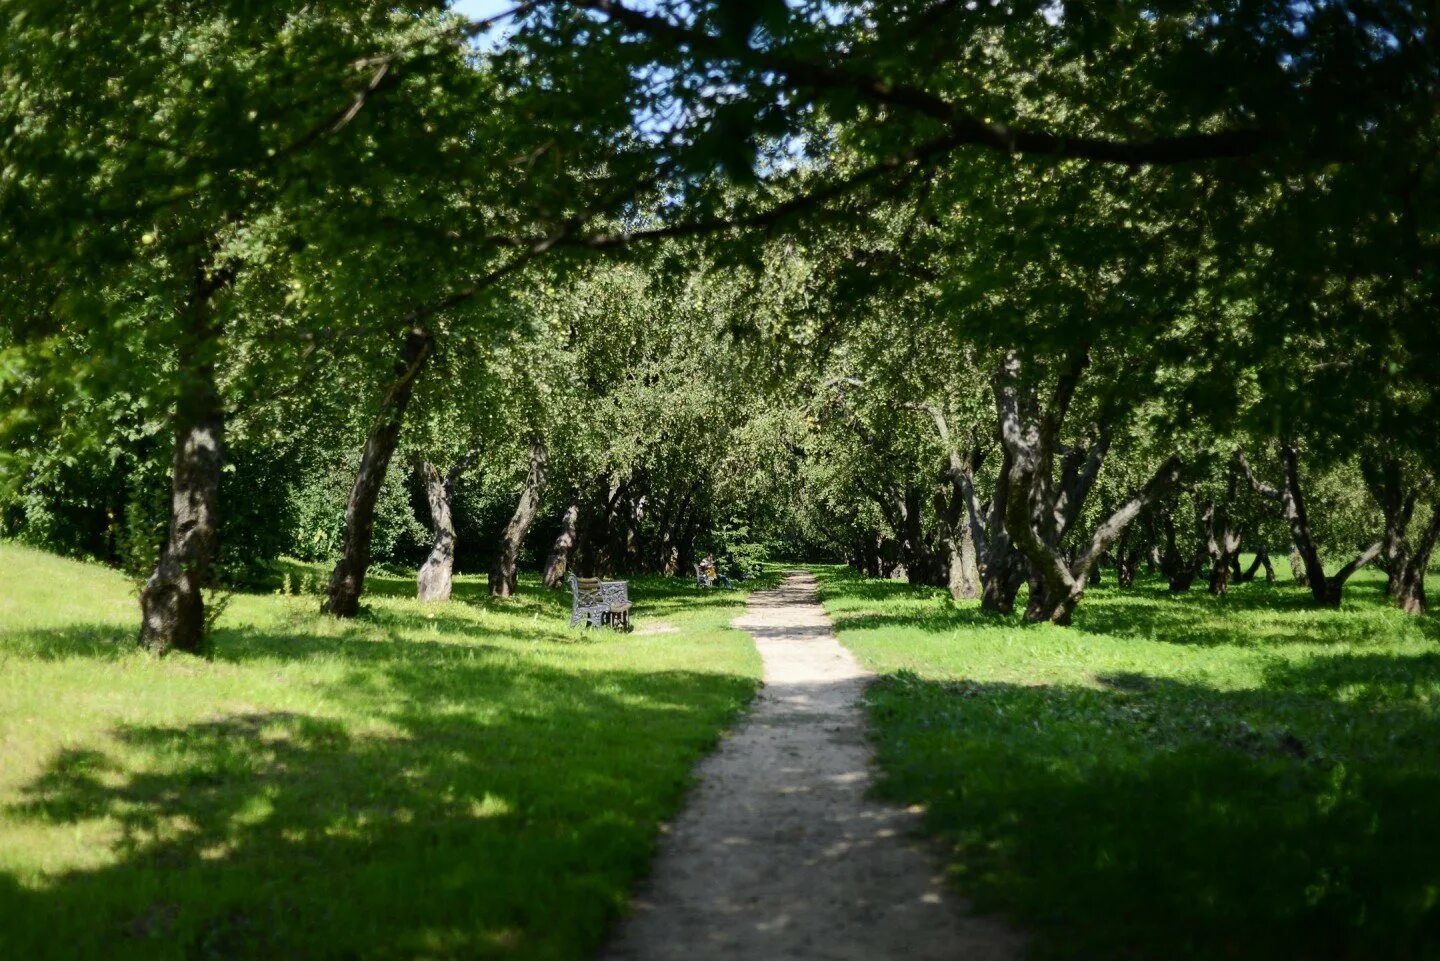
x: 994, y: 296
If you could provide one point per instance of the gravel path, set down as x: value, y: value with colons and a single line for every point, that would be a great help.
x: 780, y: 855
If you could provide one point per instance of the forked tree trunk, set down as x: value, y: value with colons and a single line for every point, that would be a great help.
x: 1261, y: 559
x: 558, y: 561
x: 436, y: 578
x: 1326, y: 590
x: 1036, y: 515
x: 1222, y: 537
x: 347, y: 581
x: 502, y: 573
x: 172, y: 604
x: 1405, y: 564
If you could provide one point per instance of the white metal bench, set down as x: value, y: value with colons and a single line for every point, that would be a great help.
x: 599, y: 603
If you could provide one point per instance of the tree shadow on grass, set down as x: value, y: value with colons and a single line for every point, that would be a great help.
x: 1157, y: 819
x: 449, y: 807
x: 1250, y: 615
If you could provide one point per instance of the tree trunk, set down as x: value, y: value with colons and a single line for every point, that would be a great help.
x: 502, y: 574
x: 968, y: 580
x: 436, y: 576
x: 1386, y: 482
x: 1326, y: 590
x: 559, y: 560
x: 1297, y: 568
x: 920, y: 567
x: 1036, y: 514
x: 1125, y: 564
x: 1409, y: 589
x: 957, y: 540
x: 1261, y: 559
x: 1003, y: 570
x: 1223, y: 537
x: 172, y: 606
x: 347, y: 581
x: 1180, y: 572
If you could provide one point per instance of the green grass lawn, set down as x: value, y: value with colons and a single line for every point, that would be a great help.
x: 465, y: 780
x: 1175, y: 776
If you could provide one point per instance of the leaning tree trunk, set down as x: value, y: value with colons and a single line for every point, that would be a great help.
x: 172, y: 606
x: 347, y: 581
x: 558, y: 562
x: 436, y: 576
x: 502, y: 574
x: 1327, y: 590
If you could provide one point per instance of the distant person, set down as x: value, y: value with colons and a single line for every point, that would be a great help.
x: 712, y: 573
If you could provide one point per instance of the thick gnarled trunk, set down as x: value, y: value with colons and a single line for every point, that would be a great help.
x: 503, y: 575
x: 437, y: 575
x: 172, y: 604
x: 347, y: 581
x: 1002, y: 568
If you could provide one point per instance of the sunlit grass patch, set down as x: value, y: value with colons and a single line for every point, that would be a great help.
x: 471, y: 779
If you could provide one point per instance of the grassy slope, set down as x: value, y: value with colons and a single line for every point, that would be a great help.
x: 1174, y: 776
x: 472, y: 780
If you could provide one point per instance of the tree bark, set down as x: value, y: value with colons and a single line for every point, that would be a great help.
x: 1003, y: 569
x: 436, y: 578
x: 1222, y: 536
x: 962, y: 575
x: 1297, y: 567
x: 347, y: 581
x: 172, y: 605
x: 957, y: 513
x: 558, y: 562
x: 1409, y: 589
x: 503, y: 573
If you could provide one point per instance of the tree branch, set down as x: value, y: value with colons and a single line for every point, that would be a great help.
x: 969, y: 129
x: 1260, y: 487
x: 1109, y: 532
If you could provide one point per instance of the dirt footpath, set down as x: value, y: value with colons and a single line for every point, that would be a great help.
x: 780, y: 855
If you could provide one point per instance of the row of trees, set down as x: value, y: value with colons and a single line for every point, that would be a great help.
x: 695, y: 267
